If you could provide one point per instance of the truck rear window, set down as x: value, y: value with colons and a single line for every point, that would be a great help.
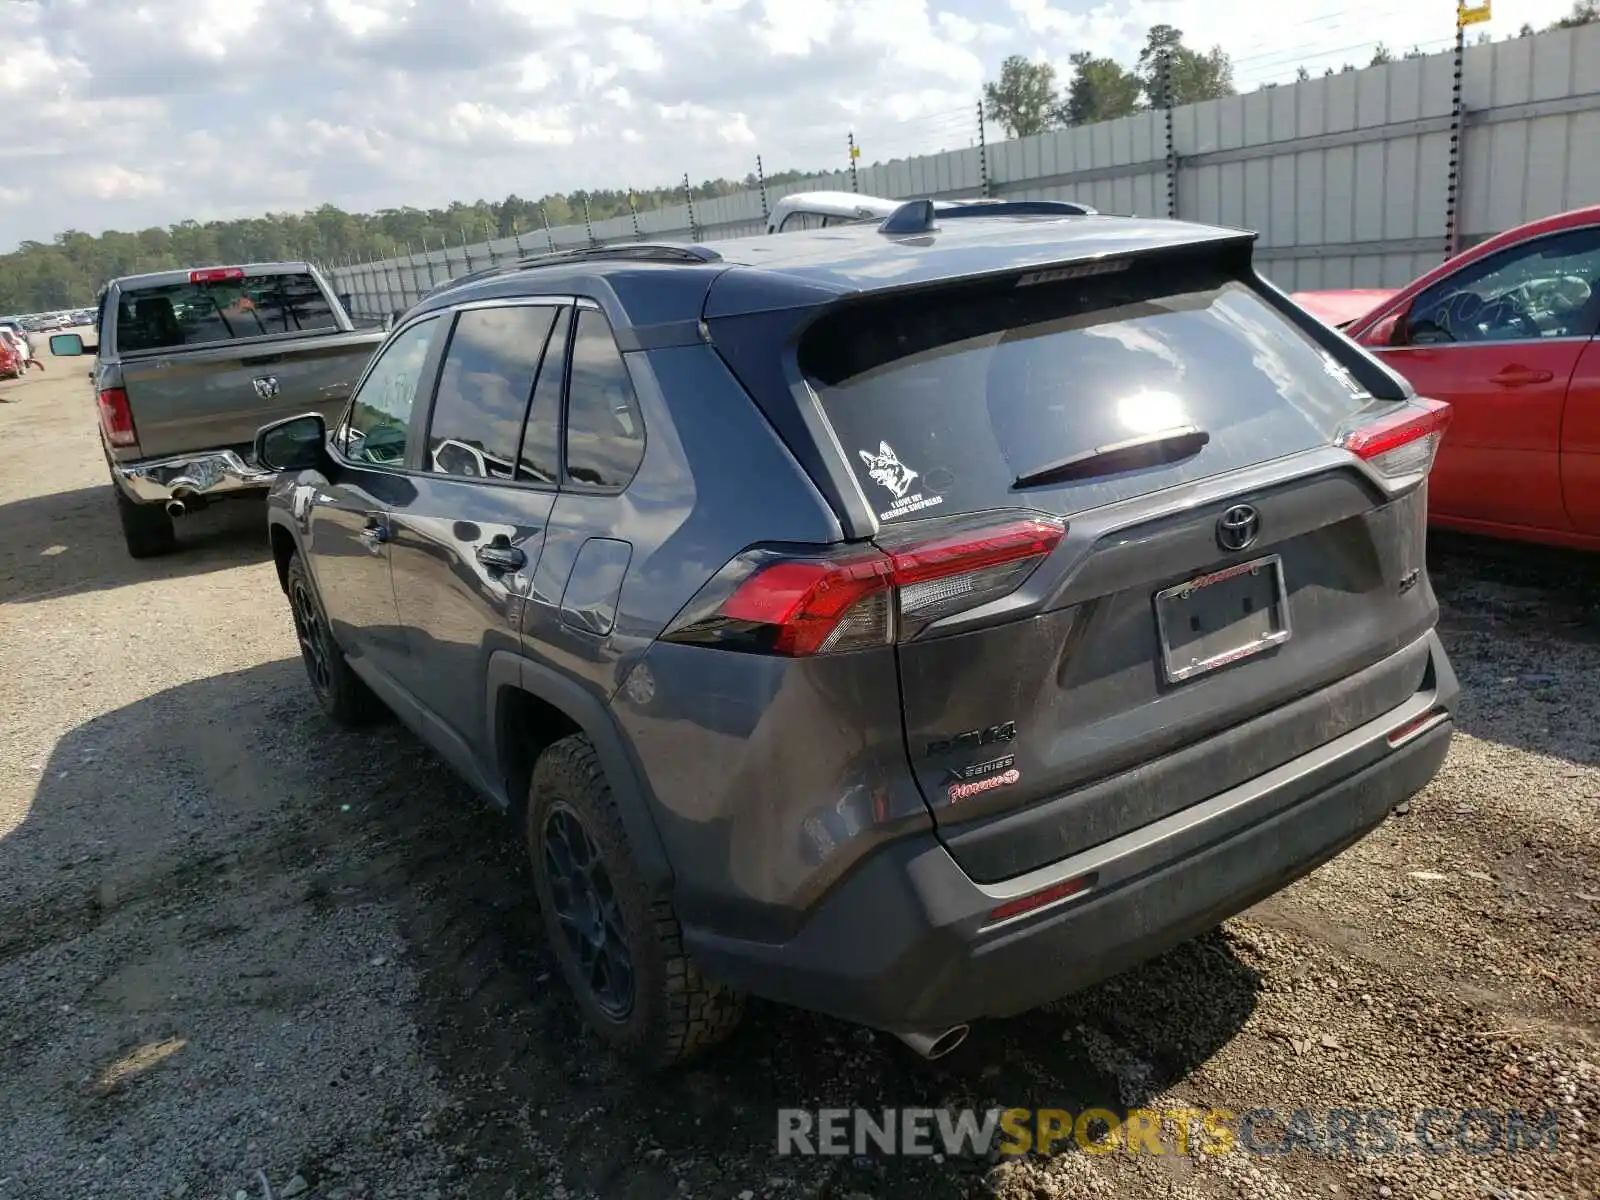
x: 943, y: 401
x: 197, y: 314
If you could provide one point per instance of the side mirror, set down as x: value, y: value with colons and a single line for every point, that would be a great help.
x: 1385, y: 331
x: 69, y: 345
x: 293, y: 444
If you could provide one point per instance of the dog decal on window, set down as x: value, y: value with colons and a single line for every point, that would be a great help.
x: 887, y: 470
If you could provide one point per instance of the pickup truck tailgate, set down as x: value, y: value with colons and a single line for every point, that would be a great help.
x: 205, y: 397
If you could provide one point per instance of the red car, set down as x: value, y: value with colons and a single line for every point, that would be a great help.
x: 10, y: 361
x: 1506, y: 332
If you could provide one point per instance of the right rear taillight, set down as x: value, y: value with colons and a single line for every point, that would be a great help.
x: 767, y: 601
x: 1403, y: 443
x: 116, y: 418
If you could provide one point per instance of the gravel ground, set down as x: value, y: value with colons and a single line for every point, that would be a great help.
x: 241, y: 950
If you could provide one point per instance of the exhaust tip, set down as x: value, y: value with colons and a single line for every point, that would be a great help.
x: 176, y: 509
x: 936, y: 1045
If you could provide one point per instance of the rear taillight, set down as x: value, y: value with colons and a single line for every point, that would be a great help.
x: 216, y: 274
x: 1403, y: 443
x: 770, y: 602
x: 116, y: 418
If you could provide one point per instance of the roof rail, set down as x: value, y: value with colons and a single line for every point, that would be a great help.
x: 635, y: 251
x: 1017, y: 208
x: 920, y: 216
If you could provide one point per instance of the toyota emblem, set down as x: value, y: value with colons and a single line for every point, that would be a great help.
x: 1238, y: 527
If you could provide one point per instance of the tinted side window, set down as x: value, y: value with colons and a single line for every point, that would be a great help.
x: 1537, y: 290
x: 375, y: 426
x: 484, y: 388
x: 540, y: 459
x: 605, y: 431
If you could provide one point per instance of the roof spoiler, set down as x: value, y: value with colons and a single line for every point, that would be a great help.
x: 918, y: 216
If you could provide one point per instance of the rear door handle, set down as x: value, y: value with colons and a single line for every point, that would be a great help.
x: 1521, y: 377
x: 501, y: 555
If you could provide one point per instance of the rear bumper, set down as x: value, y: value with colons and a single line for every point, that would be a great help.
x: 206, y: 474
x: 907, y: 942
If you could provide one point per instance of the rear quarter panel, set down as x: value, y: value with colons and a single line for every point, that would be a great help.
x: 767, y: 776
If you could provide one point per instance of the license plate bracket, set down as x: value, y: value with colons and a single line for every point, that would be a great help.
x: 1222, y: 617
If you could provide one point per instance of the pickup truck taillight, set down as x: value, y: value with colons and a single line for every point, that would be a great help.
x: 116, y: 418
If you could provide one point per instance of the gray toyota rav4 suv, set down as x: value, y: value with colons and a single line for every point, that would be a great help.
x: 914, y: 623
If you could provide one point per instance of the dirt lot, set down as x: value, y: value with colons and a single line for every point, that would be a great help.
x: 239, y: 949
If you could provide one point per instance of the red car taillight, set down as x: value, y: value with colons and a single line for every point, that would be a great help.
x: 116, y: 418
x: 1404, y: 443
x: 856, y: 597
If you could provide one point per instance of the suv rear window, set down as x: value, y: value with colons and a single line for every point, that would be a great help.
x: 942, y: 401
x: 196, y: 314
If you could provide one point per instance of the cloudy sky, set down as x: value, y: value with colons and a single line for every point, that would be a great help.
x: 128, y: 113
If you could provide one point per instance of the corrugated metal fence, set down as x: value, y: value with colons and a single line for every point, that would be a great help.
x: 1346, y: 178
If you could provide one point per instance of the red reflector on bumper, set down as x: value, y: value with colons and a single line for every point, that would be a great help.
x: 1049, y: 895
x: 1417, y: 726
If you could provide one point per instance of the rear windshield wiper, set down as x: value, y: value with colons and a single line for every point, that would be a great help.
x: 1148, y: 450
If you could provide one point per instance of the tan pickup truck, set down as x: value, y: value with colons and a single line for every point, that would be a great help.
x: 192, y: 363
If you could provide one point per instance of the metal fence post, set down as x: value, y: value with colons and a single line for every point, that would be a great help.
x: 516, y: 235
x: 466, y: 253
x: 633, y: 211
x: 544, y: 215
x: 983, y: 154
x: 761, y: 182
x: 427, y: 257
x: 1172, y: 152
x: 1452, y: 238
x: 588, y: 225
x: 688, y: 199
x: 855, y: 153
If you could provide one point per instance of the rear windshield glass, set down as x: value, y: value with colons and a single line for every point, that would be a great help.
x: 196, y: 314
x: 942, y: 402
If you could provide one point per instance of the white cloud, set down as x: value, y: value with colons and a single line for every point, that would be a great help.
x: 112, y: 182
x: 153, y: 111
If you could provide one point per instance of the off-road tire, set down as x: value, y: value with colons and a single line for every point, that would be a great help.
x: 676, y: 1013
x: 146, y: 528
x: 340, y: 692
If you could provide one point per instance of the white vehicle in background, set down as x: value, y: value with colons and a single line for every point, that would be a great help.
x: 819, y: 210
